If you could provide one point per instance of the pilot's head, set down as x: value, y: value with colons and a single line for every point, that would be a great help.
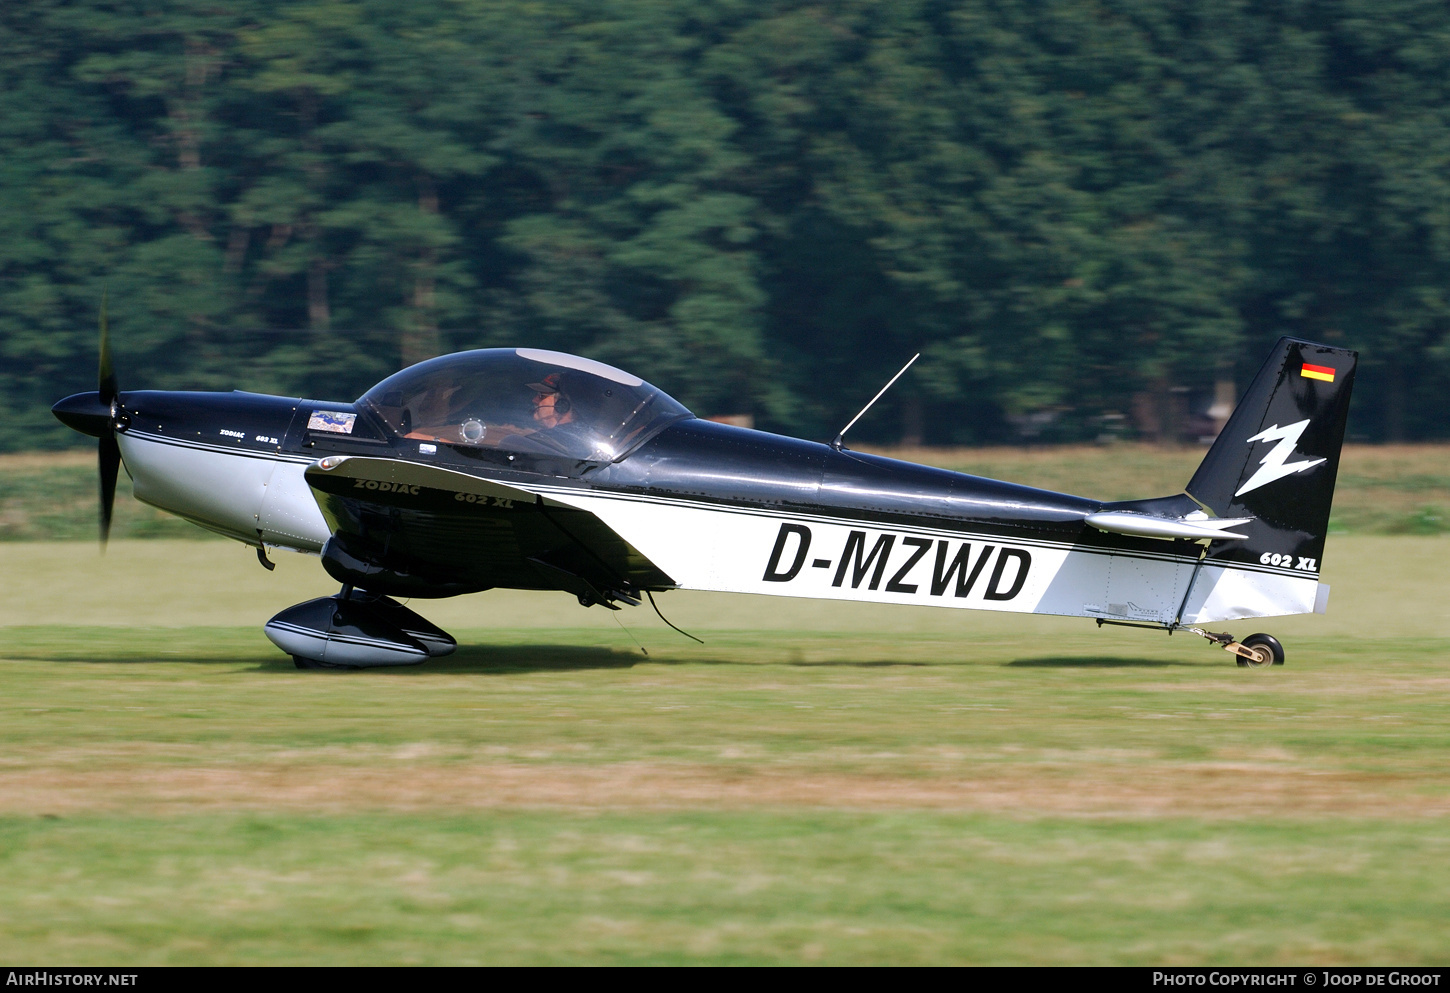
x: 552, y: 406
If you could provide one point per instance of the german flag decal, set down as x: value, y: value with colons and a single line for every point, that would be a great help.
x: 1317, y: 372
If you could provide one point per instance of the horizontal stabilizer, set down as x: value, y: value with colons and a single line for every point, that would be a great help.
x: 1194, y: 527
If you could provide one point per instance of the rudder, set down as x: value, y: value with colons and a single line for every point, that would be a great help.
x: 1277, y: 458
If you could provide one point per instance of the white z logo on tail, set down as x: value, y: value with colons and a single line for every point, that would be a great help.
x: 1271, y: 466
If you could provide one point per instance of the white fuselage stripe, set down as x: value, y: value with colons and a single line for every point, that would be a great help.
x: 567, y: 495
x: 730, y: 550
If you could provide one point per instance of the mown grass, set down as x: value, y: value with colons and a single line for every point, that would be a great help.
x: 819, y: 782
x: 838, y: 887
x: 1388, y: 489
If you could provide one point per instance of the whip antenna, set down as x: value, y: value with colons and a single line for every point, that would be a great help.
x: 636, y: 640
x: 840, y: 441
x: 667, y: 620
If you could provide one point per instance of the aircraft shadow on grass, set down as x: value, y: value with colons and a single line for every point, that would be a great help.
x: 515, y: 659
x: 141, y: 658
x: 1097, y: 662
x: 510, y: 659
x: 876, y: 664
x: 483, y: 659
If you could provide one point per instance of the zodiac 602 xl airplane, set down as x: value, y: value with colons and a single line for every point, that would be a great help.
x: 532, y: 469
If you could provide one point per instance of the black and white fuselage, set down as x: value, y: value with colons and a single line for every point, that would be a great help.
x: 686, y: 503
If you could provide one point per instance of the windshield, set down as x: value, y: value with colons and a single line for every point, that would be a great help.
x: 523, y: 400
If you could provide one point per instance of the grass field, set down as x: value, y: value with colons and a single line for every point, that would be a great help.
x: 819, y: 782
x: 1383, y: 489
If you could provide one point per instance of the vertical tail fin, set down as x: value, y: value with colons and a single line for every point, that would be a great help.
x: 1277, y: 459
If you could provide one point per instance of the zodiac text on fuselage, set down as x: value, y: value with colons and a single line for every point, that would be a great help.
x: 386, y: 487
x: 894, y: 563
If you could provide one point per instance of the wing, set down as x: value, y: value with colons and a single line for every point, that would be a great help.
x: 409, y: 529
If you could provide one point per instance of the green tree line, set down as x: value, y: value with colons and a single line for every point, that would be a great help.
x: 1084, y: 213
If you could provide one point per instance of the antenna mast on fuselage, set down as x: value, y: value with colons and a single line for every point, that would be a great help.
x: 840, y: 441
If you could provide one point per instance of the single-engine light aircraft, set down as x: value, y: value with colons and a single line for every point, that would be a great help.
x: 533, y: 469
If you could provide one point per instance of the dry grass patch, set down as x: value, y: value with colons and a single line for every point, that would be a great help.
x: 25, y: 461
x: 1213, y: 790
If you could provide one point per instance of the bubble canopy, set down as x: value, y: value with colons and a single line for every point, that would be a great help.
x: 523, y: 400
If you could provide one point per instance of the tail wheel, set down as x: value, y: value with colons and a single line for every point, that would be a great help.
x: 1267, y: 651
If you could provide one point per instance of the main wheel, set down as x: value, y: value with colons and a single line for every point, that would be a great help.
x: 1267, y: 651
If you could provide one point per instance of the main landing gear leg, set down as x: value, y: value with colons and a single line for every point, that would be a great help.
x: 1257, y: 651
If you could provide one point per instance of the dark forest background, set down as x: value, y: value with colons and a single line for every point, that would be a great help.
x: 1092, y: 218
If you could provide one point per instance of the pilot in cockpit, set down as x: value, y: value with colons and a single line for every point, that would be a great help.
x: 552, y: 406
x: 455, y: 416
x: 521, y: 401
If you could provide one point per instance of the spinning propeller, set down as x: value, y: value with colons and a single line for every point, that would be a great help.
x: 109, y: 455
x: 95, y: 414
